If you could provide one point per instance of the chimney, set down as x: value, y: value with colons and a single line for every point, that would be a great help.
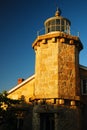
x: 20, y: 80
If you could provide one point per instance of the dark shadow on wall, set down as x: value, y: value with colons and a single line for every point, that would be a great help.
x: 41, y: 115
x: 17, y: 116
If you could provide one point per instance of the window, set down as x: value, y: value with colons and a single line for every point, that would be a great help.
x: 62, y: 22
x: 62, y: 28
x: 57, y: 24
x: 53, y: 28
x: 57, y: 21
x: 53, y: 22
x: 84, y: 86
x: 57, y: 28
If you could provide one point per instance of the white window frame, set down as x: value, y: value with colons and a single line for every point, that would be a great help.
x: 82, y: 87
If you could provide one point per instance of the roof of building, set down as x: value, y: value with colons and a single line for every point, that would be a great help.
x: 21, y: 84
x: 83, y: 67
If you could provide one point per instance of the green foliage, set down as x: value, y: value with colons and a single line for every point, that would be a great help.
x: 4, y: 99
x: 7, y: 113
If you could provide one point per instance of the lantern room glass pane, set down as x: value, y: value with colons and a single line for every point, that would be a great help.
x: 57, y: 28
x: 58, y: 21
x: 52, y: 22
x: 48, y: 29
x: 62, y: 28
x: 48, y: 23
x: 62, y: 22
x: 53, y: 28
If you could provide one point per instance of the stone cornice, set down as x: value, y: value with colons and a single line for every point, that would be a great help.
x: 63, y: 38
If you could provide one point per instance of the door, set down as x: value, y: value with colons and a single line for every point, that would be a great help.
x: 46, y: 121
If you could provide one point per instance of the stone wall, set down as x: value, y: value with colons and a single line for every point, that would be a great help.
x: 57, y: 66
x: 65, y: 117
x: 68, y: 70
x: 46, y: 80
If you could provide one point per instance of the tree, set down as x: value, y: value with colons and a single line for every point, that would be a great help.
x: 7, y: 114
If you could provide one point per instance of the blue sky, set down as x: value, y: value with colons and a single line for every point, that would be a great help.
x: 19, y: 22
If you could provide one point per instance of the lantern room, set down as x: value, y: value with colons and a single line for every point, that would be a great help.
x: 57, y: 23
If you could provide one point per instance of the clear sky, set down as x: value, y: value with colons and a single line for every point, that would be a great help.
x: 19, y: 22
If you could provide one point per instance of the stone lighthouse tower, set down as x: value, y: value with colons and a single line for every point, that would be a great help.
x: 57, y: 82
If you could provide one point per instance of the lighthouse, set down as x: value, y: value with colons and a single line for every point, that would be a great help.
x: 57, y: 80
